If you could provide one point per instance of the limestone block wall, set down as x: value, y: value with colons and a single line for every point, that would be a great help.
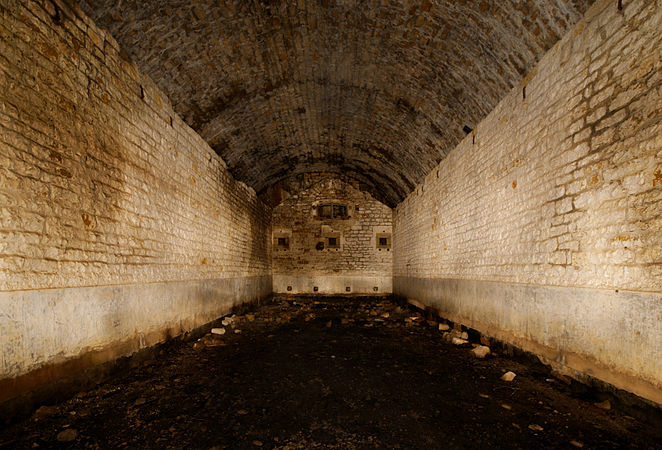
x: 356, y: 266
x: 119, y: 225
x: 544, y: 225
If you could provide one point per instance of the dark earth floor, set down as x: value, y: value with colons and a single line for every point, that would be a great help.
x: 331, y: 373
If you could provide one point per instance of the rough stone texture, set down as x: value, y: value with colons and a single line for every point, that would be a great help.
x: 560, y: 188
x: 102, y: 184
x: 357, y: 263
x: 378, y: 90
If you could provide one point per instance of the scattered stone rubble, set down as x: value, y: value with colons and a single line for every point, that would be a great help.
x: 373, y: 315
x: 378, y: 318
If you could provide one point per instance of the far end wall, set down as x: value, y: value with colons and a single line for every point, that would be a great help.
x: 341, y: 255
x: 544, y: 226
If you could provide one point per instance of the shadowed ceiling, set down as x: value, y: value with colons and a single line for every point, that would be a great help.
x: 379, y: 90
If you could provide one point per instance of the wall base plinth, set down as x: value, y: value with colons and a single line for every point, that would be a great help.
x: 610, y: 335
x: 61, y: 340
x: 332, y: 284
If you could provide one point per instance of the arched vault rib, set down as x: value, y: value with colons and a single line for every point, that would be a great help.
x: 379, y: 88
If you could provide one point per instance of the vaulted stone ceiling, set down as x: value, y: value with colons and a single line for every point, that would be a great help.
x: 379, y: 90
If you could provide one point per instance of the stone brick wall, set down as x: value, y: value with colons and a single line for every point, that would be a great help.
x: 308, y: 262
x: 102, y: 184
x: 560, y: 185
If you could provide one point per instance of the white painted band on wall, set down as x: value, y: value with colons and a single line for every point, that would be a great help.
x: 612, y: 335
x: 45, y: 326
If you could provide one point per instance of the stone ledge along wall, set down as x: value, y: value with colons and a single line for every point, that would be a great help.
x: 119, y: 225
x: 356, y: 264
x: 544, y: 226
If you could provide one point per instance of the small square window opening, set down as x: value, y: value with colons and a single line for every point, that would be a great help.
x: 282, y: 242
x: 383, y: 241
x: 332, y: 211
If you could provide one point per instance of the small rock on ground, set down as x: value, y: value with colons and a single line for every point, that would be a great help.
x: 458, y: 341
x: 45, y: 411
x: 606, y: 405
x: 480, y: 351
x: 508, y: 376
x: 67, y: 435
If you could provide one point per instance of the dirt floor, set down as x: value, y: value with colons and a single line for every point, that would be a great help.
x: 333, y: 373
